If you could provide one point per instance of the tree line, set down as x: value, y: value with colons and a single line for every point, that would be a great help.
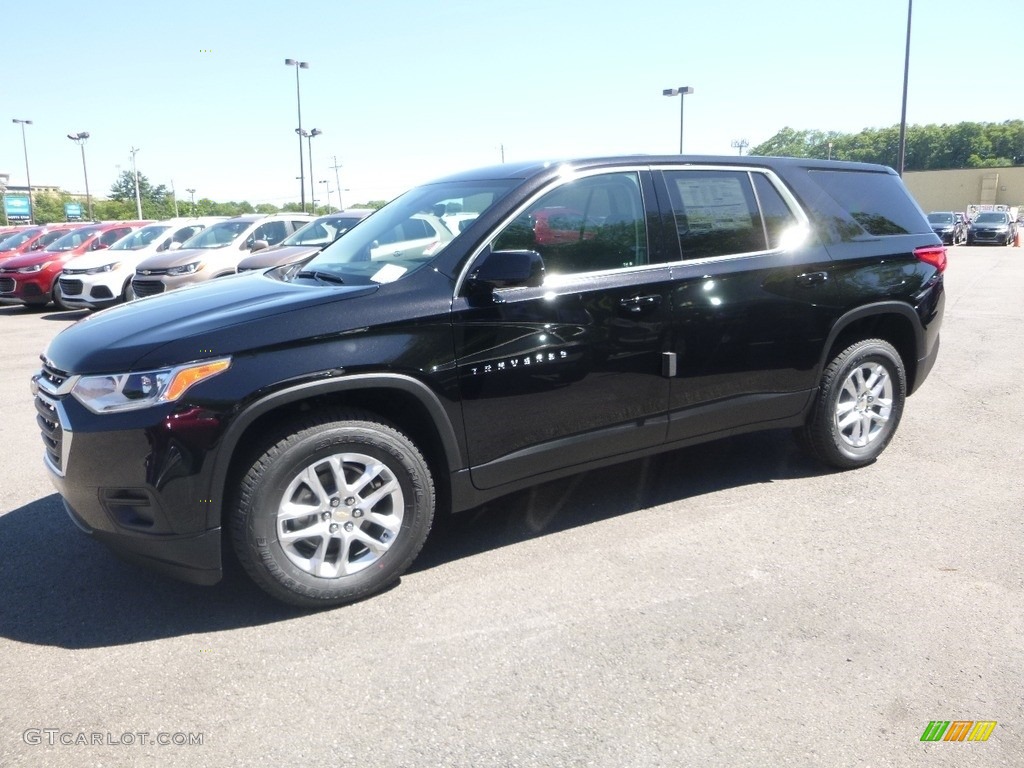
x: 158, y: 202
x: 929, y: 147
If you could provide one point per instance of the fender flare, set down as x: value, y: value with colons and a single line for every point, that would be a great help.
x: 306, y: 390
x: 871, y: 310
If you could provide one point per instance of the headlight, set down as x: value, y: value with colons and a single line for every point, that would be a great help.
x: 132, y: 391
x: 185, y: 269
x: 33, y: 268
x: 104, y: 268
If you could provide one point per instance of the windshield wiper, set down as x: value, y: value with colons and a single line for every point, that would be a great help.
x: 323, y: 277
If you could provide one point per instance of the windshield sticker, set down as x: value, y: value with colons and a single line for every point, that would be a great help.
x: 389, y: 273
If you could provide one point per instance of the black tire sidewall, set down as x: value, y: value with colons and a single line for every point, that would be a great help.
x: 867, y: 352
x: 275, y: 470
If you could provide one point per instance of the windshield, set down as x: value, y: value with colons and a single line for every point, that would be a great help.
x: 140, y: 238
x: 219, y: 235
x: 940, y: 218
x: 990, y: 218
x: 73, y: 239
x: 405, y: 234
x: 19, y: 238
x: 323, y: 231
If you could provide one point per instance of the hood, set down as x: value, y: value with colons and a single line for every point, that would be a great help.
x: 182, y: 256
x: 108, y: 256
x: 222, y: 317
x: 278, y: 256
x: 35, y: 257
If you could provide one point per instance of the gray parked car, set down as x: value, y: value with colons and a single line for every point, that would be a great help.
x: 302, y: 244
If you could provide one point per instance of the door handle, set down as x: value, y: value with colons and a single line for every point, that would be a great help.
x: 640, y: 303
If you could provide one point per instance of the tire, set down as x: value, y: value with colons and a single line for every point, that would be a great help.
x: 332, y: 509
x: 859, y: 406
x: 58, y: 297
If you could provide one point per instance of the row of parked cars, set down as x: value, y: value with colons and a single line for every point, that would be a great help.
x: 98, y: 265
x: 987, y: 228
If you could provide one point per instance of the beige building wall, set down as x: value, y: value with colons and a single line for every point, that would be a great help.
x: 954, y: 190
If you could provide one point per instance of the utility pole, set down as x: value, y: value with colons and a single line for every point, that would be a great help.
x: 740, y: 144
x: 337, y: 181
x: 135, y: 174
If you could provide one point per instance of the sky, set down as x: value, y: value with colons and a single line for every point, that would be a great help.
x: 405, y: 91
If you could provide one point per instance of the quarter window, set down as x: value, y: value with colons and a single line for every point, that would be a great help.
x: 591, y: 224
x: 715, y: 213
x: 778, y: 218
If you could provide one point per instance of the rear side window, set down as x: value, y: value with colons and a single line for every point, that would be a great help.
x: 715, y: 213
x: 876, y: 201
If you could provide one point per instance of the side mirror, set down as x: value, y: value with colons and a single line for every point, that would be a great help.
x: 258, y: 245
x: 98, y: 246
x: 175, y: 245
x: 506, y: 269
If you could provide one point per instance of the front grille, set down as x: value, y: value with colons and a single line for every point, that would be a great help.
x: 50, y: 430
x: 54, y: 377
x: 6, y: 284
x: 70, y: 287
x: 52, y: 384
x: 145, y: 288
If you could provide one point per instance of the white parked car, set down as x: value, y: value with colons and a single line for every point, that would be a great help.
x: 102, y: 279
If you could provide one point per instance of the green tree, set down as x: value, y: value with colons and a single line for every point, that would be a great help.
x: 48, y: 207
x: 266, y: 208
x: 929, y: 147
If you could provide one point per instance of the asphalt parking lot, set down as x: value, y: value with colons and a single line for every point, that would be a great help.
x: 728, y: 605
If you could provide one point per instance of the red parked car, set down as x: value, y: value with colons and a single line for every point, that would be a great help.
x: 31, y: 278
x: 34, y: 238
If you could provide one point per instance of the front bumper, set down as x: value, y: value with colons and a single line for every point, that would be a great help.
x: 27, y: 288
x: 92, y: 291
x: 135, y: 481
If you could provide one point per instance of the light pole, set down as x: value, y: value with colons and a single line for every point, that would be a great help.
x: 135, y: 175
x: 328, y: 183
x: 192, y: 194
x: 79, y: 139
x: 298, y: 100
x: 903, y: 114
x: 28, y: 178
x: 312, y: 188
x: 337, y: 182
x: 830, y: 150
x: 681, y: 92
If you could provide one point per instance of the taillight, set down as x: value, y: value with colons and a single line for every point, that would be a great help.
x: 932, y: 254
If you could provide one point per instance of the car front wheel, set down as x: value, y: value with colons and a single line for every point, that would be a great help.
x: 332, y: 509
x: 859, y: 405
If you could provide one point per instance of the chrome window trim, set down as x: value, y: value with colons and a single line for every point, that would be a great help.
x: 564, y: 177
x: 788, y: 198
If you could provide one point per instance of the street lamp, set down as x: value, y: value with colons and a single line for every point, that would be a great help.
x: 28, y: 178
x: 79, y: 139
x: 681, y: 92
x: 903, y: 114
x: 312, y: 188
x: 135, y: 174
x: 298, y: 100
x: 192, y: 193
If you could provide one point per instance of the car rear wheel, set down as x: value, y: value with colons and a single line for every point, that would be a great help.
x: 332, y: 509
x: 860, y: 403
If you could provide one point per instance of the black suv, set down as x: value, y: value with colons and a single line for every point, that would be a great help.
x: 593, y: 311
